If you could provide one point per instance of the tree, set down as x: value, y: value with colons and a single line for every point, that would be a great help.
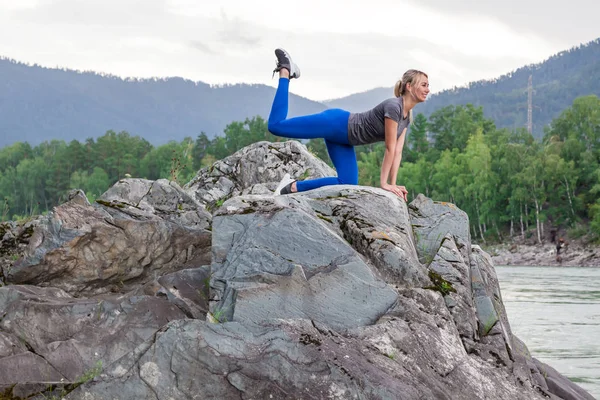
x: 200, y: 150
x: 417, y: 139
x: 93, y: 184
x: 369, y: 166
x: 453, y: 125
x: 319, y: 149
x: 445, y: 175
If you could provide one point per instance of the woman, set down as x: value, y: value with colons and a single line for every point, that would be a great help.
x: 343, y: 130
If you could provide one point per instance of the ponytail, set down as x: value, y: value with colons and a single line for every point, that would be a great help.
x: 398, y: 88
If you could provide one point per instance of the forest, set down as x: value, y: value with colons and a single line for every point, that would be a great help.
x: 509, y: 183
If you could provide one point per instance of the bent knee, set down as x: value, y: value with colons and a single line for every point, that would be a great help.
x: 274, y: 128
x: 347, y: 180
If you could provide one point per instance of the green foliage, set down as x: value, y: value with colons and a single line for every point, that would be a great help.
x: 578, y: 231
x: 417, y: 139
x: 52, y: 393
x: 318, y: 148
x: 218, y: 316
x: 501, y: 178
x: 90, y: 374
x: 239, y: 135
x: 440, y: 284
x: 33, y: 180
x: 453, y: 126
x: 369, y: 165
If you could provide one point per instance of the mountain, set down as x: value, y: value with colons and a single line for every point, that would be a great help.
x: 38, y: 104
x: 557, y: 81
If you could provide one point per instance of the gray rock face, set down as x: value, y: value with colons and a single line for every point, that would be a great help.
x: 432, y: 221
x: 256, y: 169
x: 343, y: 292
x: 51, y: 338
x: 139, y: 229
x: 559, y: 385
x: 266, y: 265
x: 300, y: 359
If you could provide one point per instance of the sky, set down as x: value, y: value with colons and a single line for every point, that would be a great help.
x: 341, y: 46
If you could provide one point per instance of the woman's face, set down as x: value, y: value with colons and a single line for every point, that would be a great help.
x: 421, y: 88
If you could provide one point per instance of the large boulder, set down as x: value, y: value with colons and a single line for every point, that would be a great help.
x: 402, y: 358
x: 255, y: 169
x: 344, y: 292
x: 275, y: 258
x: 50, y: 338
x: 137, y: 230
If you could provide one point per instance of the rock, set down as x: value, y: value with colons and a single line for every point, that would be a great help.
x: 51, y: 338
x: 151, y: 199
x: 188, y: 289
x: 266, y: 265
x: 577, y: 255
x: 451, y: 276
x: 342, y: 292
x: 261, y: 164
x: 138, y: 229
x: 560, y: 385
x: 14, y: 238
x: 300, y: 359
x: 432, y: 221
x: 376, y: 224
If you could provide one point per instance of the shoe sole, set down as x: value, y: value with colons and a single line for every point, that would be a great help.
x: 286, y: 180
x: 296, y: 73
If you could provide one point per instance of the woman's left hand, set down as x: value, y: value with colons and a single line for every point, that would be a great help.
x: 404, y: 192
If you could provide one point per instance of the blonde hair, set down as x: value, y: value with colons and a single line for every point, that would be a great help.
x: 412, y: 76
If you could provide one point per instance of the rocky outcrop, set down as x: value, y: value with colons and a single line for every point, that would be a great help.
x: 343, y: 292
x: 255, y: 169
x: 51, y: 338
x: 575, y: 255
x: 136, y: 230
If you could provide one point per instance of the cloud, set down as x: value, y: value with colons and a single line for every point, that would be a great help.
x: 203, y: 47
x: 342, y: 47
x: 558, y: 22
x: 107, y: 13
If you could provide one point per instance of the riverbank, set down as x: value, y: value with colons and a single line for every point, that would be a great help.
x: 575, y: 255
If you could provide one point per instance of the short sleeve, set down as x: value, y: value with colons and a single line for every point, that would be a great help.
x: 391, y: 110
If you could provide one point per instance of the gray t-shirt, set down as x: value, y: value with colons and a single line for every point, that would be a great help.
x: 369, y: 126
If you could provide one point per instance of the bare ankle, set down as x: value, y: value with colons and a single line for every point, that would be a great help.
x: 284, y: 73
x: 294, y: 187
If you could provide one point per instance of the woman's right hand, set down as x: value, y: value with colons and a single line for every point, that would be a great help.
x: 399, y: 191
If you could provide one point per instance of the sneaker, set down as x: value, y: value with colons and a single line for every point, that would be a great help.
x: 285, y: 185
x: 285, y: 61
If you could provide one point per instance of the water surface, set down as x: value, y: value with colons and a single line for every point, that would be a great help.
x: 556, y: 312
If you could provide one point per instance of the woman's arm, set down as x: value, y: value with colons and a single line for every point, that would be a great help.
x: 397, y: 157
x: 391, y: 130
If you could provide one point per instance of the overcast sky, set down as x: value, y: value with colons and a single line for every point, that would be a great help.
x: 342, y: 46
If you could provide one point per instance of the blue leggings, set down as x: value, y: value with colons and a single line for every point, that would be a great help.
x: 331, y: 125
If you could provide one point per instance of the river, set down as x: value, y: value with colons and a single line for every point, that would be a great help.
x: 556, y: 312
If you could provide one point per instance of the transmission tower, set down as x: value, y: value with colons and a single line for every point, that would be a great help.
x: 530, y: 105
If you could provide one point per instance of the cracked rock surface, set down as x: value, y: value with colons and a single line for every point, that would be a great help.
x: 344, y: 292
x: 255, y: 169
x: 136, y: 230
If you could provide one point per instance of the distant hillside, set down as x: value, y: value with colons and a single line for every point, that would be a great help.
x: 556, y: 82
x: 38, y: 104
x: 361, y: 101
